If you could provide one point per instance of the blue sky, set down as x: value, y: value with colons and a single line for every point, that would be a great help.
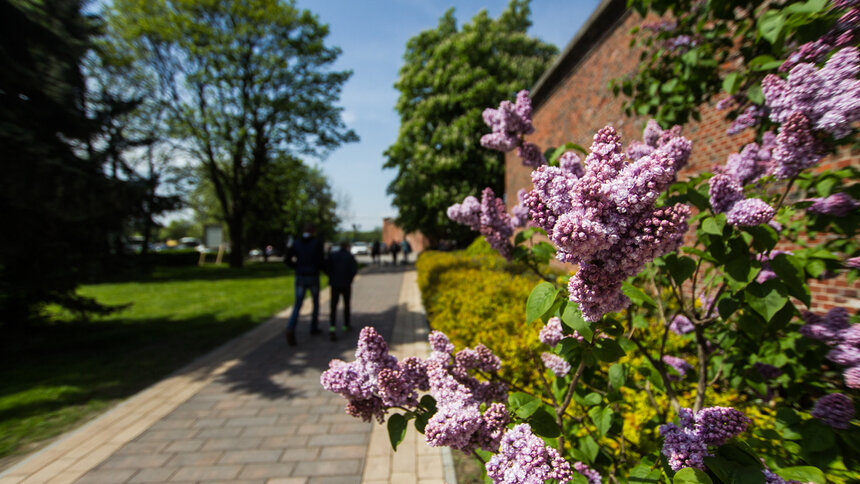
x: 373, y: 35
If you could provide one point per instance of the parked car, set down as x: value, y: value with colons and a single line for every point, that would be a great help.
x: 360, y: 248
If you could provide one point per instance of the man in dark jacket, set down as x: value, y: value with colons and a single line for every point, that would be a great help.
x: 341, y: 268
x: 306, y: 257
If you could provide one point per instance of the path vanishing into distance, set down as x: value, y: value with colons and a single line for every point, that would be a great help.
x: 253, y: 411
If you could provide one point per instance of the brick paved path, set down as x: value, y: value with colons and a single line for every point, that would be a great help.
x: 254, y: 411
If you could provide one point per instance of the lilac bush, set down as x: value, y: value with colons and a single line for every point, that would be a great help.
x: 709, y: 348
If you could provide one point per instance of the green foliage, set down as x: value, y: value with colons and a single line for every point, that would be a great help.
x: 672, y: 82
x: 479, y: 299
x: 56, y: 376
x: 59, y: 209
x: 244, y: 84
x: 449, y: 76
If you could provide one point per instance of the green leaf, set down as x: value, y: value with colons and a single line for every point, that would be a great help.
x: 754, y: 94
x: 608, y: 350
x: 617, y: 376
x: 690, y: 475
x: 790, y: 270
x: 428, y: 402
x: 540, y: 301
x: 770, y: 25
x: 643, y: 473
x: 714, y: 225
x: 543, y: 251
x: 602, y: 418
x: 524, y: 235
x: 817, y: 437
x: 591, y: 399
x: 528, y: 409
x: 421, y: 421
x: 636, y: 295
x: 396, y: 429
x: 589, y: 448
x: 802, y: 474
x: 764, y: 237
x: 766, y: 299
x: 681, y: 268
x: 572, y: 318
x: 523, y: 404
x: 543, y: 424
x: 727, y: 306
x: 578, y: 479
x: 732, y: 82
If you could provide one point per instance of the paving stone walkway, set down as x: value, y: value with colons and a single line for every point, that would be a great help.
x: 253, y: 411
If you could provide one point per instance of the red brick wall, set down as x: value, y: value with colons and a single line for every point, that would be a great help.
x: 392, y: 233
x: 582, y: 103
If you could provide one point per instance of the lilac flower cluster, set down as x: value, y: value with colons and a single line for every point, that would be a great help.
x: 524, y: 458
x: 749, y: 118
x: 753, y: 161
x: 681, y: 325
x: 590, y: 474
x: 552, y: 332
x: 835, y: 410
x: 509, y: 123
x: 458, y: 422
x: 520, y: 214
x: 556, y: 364
x: 487, y: 217
x: 687, y: 445
x: 852, y: 263
x: 727, y: 196
x: 827, y: 98
x: 844, y: 32
x: 605, y: 220
x: 358, y: 381
x: 679, y: 364
x: 837, y: 205
x: 376, y: 381
x: 836, y: 331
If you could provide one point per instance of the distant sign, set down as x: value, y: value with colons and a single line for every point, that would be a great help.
x: 213, y: 235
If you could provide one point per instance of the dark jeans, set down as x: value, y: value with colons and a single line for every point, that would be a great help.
x: 337, y: 293
x: 304, y: 284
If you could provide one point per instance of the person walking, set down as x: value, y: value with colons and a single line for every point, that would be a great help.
x: 341, y: 267
x: 406, y: 250
x: 375, y: 250
x: 395, y: 248
x: 306, y: 257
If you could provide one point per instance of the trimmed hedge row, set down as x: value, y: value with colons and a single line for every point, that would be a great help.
x: 476, y: 297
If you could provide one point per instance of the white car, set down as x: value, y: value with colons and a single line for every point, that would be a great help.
x: 359, y: 248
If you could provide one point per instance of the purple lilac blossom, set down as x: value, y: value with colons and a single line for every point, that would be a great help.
x: 749, y: 118
x: 496, y: 223
x: 852, y: 377
x: 835, y: 410
x: 605, y: 220
x: 467, y: 213
x: 681, y: 325
x: 837, y: 205
x: 556, y: 364
x: 724, y: 192
x: 687, y: 445
x: 853, y: 263
x: 829, y: 98
x: 749, y: 213
x: 590, y: 474
x: 767, y: 272
x: 796, y: 147
x: 570, y: 162
x: 520, y: 213
x: 753, y: 161
x: 531, y: 155
x: 357, y: 381
x: 827, y: 328
x: 845, y: 355
x: 524, y: 458
x: 508, y: 124
x: 552, y: 332
x: 679, y: 364
x: 725, y: 103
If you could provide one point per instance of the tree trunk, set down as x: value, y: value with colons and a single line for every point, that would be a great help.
x: 237, y: 241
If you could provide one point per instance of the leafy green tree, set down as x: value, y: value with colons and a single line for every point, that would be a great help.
x: 449, y: 76
x: 245, y: 83
x: 58, y: 206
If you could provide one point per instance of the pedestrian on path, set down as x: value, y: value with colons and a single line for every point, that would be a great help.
x: 306, y: 257
x: 375, y: 250
x: 395, y: 248
x: 341, y: 267
x: 406, y: 250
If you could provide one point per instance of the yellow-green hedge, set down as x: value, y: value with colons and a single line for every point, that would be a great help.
x: 475, y: 297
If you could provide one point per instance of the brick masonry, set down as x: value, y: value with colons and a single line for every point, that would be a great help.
x: 580, y: 102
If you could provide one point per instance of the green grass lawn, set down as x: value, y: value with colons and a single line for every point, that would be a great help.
x: 58, y: 375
